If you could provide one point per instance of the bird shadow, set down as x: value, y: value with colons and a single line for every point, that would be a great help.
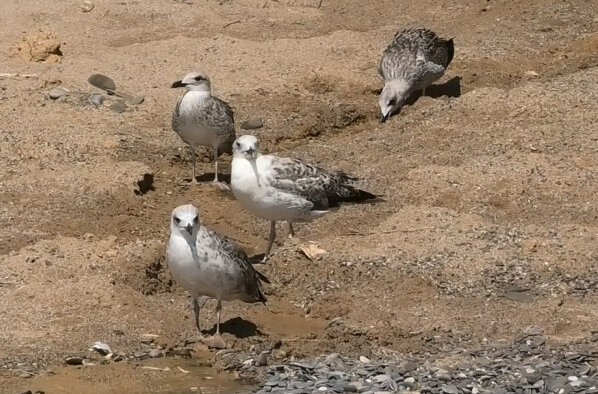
x: 451, y: 88
x: 238, y: 327
x: 209, y: 176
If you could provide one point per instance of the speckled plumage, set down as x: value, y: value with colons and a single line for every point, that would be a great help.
x: 417, y: 55
x: 275, y: 188
x: 206, y: 115
x: 201, y: 119
x: 314, y: 184
x: 206, y: 263
x: 414, y: 59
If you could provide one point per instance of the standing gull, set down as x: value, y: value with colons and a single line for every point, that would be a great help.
x: 202, y: 119
x: 276, y: 188
x: 414, y: 59
x: 206, y: 263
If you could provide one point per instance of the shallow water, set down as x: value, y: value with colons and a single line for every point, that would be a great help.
x: 165, y: 376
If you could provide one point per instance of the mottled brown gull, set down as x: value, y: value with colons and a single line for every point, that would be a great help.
x: 276, y: 188
x: 202, y: 119
x: 206, y: 263
x: 414, y: 59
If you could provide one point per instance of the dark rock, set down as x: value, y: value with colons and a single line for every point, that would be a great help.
x: 102, y: 82
x: 74, y: 360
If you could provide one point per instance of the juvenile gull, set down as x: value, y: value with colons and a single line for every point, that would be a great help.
x: 276, y: 188
x: 414, y: 59
x: 206, y: 263
x: 202, y: 119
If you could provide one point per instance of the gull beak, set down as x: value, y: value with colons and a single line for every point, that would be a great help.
x: 189, y: 228
x: 383, y: 117
x: 251, y: 152
x: 178, y: 84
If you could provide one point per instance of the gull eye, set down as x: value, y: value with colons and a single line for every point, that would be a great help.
x: 198, y: 78
x: 177, y: 220
x: 392, y: 102
x: 196, y: 219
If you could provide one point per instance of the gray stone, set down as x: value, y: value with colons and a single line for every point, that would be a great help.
x: 119, y: 106
x: 57, y: 93
x: 450, y: 389
x: 134, y: 100
x: 381, y: 378
x: 155, y: 353
x: 97, y: 99
x: 102, y: 82
x: 252, y: 123
x: 262, y: 359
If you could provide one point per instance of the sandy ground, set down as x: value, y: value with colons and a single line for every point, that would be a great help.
x: 489, y: 185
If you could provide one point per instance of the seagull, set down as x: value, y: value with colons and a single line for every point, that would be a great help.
x: 276, y: 188
x: 414, y: 59
x: 206, y: 263
x: 202, y: 119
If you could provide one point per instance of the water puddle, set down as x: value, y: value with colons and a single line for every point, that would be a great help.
x: 164, y: 376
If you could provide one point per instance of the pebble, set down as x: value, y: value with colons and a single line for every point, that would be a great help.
x: 262, y: 359
x: 74, y: 360
x: 252, y: 123
x: 57, y: 93
x: 381, y: 378
x: 155, y: 353
x: 511, y: 370
x: 102, y: 82
x: 119, y: 106
x: 87, y: 6
x: 96, y: 99
x: 101, y: 348
x: 450, y: 389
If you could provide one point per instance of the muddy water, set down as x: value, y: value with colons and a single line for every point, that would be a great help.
x: 165, y: 376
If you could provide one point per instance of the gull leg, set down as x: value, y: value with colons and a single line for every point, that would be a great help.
x: 291, y: 231
x: 219, y: 185
x: 193, y: 180
x: 218, y: 309
x: 271, y: 238
x: 216, y: 341
x: 196, y: 313
x: 423, y: 92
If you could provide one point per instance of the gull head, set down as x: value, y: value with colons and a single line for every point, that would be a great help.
x: 185, y: 219
x: 197, y: 80
x: 246, y: 146
x: 392, y: 98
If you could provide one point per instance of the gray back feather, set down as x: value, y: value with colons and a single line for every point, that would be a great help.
x: 213, y: 113
x: 408, y: 55
x: 312, y: 183
x: 252, y: 279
